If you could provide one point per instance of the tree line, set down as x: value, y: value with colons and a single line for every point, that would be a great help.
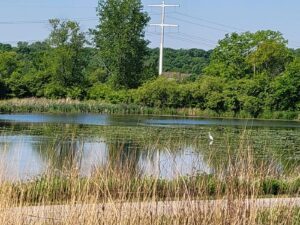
x: 247, y: 72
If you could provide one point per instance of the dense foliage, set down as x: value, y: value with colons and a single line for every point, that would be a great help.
x: 247, y: 73
x: 186, y: 61
x: 120, y: 38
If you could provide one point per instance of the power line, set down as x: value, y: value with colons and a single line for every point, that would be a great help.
x: 48, y: 6
x: 188, y: 40
x: 200, y: 25
x: 187, y: 37
x: 183, y: 39
x: 234, y: 28
x: 211, y: 22
x: 45, y: 21
x: 197, y: 37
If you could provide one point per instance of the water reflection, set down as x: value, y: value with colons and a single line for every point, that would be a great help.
x: 166, y: 121
x: 26, y: 157
x: 184, y: 162
x: 19, y: 158
x: 29, y: 149
x: 124, y: 155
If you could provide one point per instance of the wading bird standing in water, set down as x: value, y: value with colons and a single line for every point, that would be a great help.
x: 211, y: 138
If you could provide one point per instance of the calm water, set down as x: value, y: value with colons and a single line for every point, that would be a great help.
x: 150, y: 146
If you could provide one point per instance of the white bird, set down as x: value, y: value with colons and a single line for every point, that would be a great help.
x: 211, y: 138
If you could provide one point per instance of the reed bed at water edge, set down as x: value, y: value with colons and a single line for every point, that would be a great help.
x: 114, y: 195
x: 43, y: 105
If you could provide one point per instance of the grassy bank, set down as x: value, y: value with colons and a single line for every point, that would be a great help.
x: 41, y: 105
x: 119, y: 188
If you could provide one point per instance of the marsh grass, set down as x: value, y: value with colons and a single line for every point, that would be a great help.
x: 119, y: 195
x: 43, y: 105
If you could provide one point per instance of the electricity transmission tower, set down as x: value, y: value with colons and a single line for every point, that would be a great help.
x: 162, y: 25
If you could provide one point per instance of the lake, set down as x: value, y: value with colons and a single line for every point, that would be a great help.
x: 166, y: 147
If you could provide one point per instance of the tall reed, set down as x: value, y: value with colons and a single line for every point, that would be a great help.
x: 119, y: 195
x: 42, y: 105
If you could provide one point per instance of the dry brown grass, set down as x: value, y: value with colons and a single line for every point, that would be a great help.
x: 114, y: 196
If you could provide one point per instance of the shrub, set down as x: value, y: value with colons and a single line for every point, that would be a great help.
x: 162, y: 92
x: 274, y: 186
x: 99, y: 92
x: 55, y: 91
x: 75, y: 93
x: 3, y: 90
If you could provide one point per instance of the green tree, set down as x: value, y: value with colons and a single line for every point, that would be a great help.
x: 95, y: 70
x: 8, y: 64
x: 296, y: 52
x: 208, y: 93
x: 251, y: 105
x: 5, y: 47
x: 65, y: 60
x: 285, y: 89
x: 244, y: 55
x: 270, y: 57
x: 12, y: 68
x: 27, y: 79
x: 120, y: 40
x: 161, y: 92
x: 3, y: 89
x: 190, y: 61
x: 228, y: 58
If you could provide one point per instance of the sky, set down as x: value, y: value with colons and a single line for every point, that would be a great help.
x: 201, y: 22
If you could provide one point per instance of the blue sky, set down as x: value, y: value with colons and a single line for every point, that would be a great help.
x: 201, y: 22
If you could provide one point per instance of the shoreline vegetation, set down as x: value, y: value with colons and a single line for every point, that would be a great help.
x: 242, y: 179
x: 43, y: 105
x: 256, y: 78
x: 54, y: 189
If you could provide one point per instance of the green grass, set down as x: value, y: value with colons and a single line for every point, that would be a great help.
x: 121, y: 186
